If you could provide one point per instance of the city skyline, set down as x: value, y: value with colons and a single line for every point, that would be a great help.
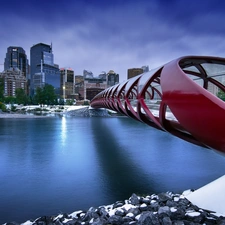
x: 114, y: 35
x: 29, y: 61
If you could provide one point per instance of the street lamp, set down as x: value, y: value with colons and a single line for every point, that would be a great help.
x: 64, y: 94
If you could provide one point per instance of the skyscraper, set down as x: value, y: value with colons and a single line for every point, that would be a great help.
x: 134, y: 72
x: 42, y: 68
x: 16, y: 58
x: 13, y: 79
x: 87, y: 74
x: 113, y: 78
x: 67, y: 83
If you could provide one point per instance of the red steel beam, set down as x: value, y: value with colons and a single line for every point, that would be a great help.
x: 179, y: 97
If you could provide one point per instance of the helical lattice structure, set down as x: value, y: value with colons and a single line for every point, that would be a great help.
x: 183, y: 97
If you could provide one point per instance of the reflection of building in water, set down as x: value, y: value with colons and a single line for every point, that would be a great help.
x: 13, y: 78
x: 67, y: 83
x: 42, y: 68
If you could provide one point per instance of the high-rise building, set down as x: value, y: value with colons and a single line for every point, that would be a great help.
x: 134, y: 72
x: 79, y: 87
x: 113, y: 78
x: 145, y: 68
x: 13, y: 78
x: 67, y: 83
x: 102, y: 75
x: 42, y: 68
x: 16, y: 58
x: 79, y: 78
x: 92, y: 86
x: 87, y: 74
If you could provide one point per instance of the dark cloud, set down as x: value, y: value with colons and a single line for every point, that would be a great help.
x: 103, y: 35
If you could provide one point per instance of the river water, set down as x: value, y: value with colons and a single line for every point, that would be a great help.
x: 64, y: 164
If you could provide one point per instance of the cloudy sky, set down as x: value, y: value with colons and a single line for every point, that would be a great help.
x: 100, y: 35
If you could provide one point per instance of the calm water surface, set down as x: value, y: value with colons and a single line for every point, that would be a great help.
x: 64, y: 164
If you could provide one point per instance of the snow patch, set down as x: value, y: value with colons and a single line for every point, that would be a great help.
x: 28, y: 222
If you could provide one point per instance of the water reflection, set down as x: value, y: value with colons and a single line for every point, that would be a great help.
x: 131, y: 162
x: 173, y: 164
x: 57, y: 165
x: 63, y: 131
x: 121, y: 175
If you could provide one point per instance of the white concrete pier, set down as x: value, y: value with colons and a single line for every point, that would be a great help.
x: 210, y: 197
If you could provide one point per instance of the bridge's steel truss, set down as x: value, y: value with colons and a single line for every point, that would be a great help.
x: 180, y: 97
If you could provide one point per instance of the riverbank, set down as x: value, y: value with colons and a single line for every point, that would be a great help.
x: 19, y: 115
x: 39, y: 112
x: 165, y: 208
x: 74, y: 111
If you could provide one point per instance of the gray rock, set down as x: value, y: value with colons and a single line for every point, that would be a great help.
x: 118, y: 204
x: 120, y: 212
x: 58, y: 222
x: 127, y: 219
x: 143, y: 207
x: 184, y: 202
x: 148, y: 218
x: 44, y: 220
x: 220, y: 221
x: 91, y: 213
x: 134, y: 211
x: 145, y: 200
x: 86, y: 112
x: 134, y: 199
x: 166, y: 221
x: 117, y: 220
x: 178, y: 222
x: 71, y: 222
x: 179, y: 214
x: 164, y: 209
x: 157, y: 209
x: 163, y: 197
x: 99, y: 221
x: 102, y: 212
x: 154, y: 206
x: 41, y: 223
x: 171, y: 203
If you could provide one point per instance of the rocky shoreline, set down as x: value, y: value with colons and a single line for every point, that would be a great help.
x: 165, y: 208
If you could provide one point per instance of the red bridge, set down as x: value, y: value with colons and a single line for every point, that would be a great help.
x: 182, y: 97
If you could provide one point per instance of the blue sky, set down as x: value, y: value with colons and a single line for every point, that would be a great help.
x: 100, y: 35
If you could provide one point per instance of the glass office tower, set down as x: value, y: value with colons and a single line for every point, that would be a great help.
x: 16, y: 58
x: 42, y: 68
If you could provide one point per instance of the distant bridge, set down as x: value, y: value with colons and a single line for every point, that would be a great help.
x: 179, y: 97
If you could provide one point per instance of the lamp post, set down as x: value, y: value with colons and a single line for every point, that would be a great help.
x: 64, y: 90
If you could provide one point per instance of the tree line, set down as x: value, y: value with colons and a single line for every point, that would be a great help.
x: 42, y: 96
